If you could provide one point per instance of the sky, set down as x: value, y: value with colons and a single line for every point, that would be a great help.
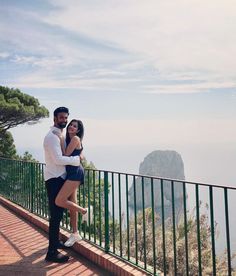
x: 142, y: 75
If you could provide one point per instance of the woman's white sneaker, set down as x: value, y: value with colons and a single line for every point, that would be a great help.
x: 73, y: 239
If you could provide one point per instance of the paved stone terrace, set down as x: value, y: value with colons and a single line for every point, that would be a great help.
x: 23, y: 248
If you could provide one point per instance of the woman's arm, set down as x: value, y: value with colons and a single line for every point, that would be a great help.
x: 74, y: 143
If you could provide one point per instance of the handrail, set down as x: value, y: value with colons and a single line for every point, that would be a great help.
x: 144, y: 175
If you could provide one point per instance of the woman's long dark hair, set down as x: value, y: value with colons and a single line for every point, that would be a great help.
x: 80, y: 132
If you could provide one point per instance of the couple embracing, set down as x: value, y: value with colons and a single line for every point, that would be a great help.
x: 63, y: 174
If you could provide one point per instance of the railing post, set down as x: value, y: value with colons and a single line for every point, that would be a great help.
x: 106, y: 206
x: 227, y: 230
x: 32, y: 183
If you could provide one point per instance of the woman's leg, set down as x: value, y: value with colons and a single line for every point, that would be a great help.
x: 66, y: 191
x: 73, y: 214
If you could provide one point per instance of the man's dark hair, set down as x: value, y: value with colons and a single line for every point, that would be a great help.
x: 60, y: 109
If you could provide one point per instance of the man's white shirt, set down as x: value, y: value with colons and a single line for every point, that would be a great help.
x: 55, y: 161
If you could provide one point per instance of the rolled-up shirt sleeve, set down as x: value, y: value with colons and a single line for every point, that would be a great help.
x: 54, y: 149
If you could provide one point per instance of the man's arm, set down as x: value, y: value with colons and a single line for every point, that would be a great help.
x: 54, y: 149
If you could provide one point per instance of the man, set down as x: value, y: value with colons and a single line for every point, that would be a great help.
x: 54, y: 175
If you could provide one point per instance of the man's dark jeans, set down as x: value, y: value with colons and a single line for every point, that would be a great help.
x: 53, y: 186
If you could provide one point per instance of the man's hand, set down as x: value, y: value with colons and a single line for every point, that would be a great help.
x: 81, y: 156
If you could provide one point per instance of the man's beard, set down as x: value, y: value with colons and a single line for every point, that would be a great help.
x: 61, y: 125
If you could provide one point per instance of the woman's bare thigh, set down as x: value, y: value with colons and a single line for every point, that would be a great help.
x: 68, y: 189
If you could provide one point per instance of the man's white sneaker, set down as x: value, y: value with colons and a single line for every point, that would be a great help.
x: 73, y: 239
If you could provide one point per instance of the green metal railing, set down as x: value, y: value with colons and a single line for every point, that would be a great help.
x: 163, y: 226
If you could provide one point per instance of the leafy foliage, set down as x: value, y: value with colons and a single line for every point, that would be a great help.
x: 7, y: 147
x: 27, y: 157
x: 18, y: 108
x: 206, y: 248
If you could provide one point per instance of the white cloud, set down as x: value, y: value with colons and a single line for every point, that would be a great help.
x: 4, y: 55
x: 187, y: 88
x: 96, y: 80
x: 174, y: 35
x: 45, y: 62
x: 127, y: 44
x: 114, y: 80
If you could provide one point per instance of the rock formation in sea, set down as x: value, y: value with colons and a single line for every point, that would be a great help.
x: 163, y: 164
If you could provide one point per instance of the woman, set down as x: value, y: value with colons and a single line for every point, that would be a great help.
x: 67, y: 196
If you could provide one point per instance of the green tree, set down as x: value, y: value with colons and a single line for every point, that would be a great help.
x: 27, y: 157
x: 93, y: 194
x: 7, y: 147
x: 16, y: 108
x: 205, y: 229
